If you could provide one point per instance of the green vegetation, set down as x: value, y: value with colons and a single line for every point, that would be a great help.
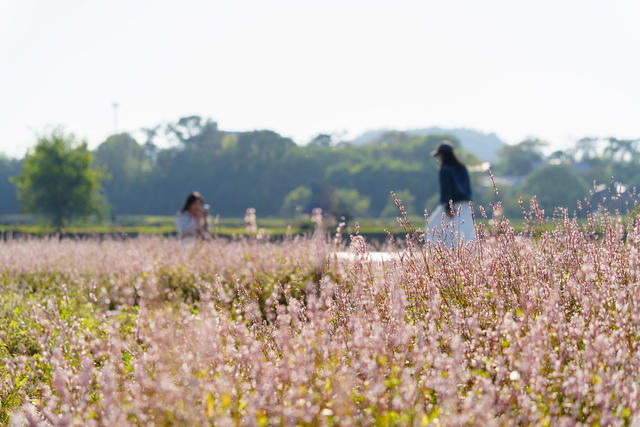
x: 57, y: 180
x: 266, y: 171
x: 165, y: 225
x: 259, y: 169
x: 544, y: 184
x: 132, y: 225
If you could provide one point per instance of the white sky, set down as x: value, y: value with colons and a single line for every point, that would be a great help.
x: 554, y: 69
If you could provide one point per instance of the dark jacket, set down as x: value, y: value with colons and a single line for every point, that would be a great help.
x: 454, y: 184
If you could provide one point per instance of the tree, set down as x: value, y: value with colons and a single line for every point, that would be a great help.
x: 8, y: 168
x: 586, y: 149
x: 560, y: 156
x: 555, y: 186
x: 520, y: 159
x: 58, y: 181
x: 234, y: 170
x: 127, y: 165
x: 408, y: 201
x: 622, y: 150
x: 296, y: 201
x: 191, y: 129
x: 348, y: 203
x: 321, y: 140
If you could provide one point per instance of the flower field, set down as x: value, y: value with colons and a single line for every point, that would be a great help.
x: 539, y: 327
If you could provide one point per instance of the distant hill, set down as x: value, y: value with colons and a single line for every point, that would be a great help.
x: 483, y: 145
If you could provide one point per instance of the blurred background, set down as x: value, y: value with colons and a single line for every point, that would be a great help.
x: 286, y: 105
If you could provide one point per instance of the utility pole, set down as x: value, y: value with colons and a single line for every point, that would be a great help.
x: 115, y: 116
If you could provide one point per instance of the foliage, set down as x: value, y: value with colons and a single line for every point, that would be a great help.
x: 408, y: 201
x: 8, y: 168
x: 520, y: 159
x: 265, y: 170
x: 128, y: 166
x: 348, y: 204
x: 58, y: 181
x: 296, y: 201
x: 260, y: 168
x: 544, y: 183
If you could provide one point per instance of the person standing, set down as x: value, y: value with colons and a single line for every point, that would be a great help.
x: 192, y: 219
x: 453, y: 220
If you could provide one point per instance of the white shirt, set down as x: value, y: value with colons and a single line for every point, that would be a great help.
x: 186, y: 225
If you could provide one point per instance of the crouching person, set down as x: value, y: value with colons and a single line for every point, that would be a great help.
x: 193, y: 219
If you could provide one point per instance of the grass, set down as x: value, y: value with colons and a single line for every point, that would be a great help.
x: 227, y: 227
x: 165, y: 225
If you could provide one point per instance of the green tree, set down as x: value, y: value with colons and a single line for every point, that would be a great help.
x: 585, y: 149
x: 623, y: 150
x: 348, y: 203
x: 128, y: 166
x: 555, y: 186
x: 321, y: 140
x: 520, y: 159
x: 408, y: 201
x: 57, y: 180
x: 296, y: 201
x: 8, y: 168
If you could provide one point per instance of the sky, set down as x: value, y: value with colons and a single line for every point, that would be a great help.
x: 557, y: 70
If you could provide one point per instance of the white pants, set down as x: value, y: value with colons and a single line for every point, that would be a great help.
x: 458, y: 230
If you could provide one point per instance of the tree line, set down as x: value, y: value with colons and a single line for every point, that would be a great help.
x: 264, y: 170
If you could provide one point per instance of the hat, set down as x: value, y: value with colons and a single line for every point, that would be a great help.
x: 444, y: 147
